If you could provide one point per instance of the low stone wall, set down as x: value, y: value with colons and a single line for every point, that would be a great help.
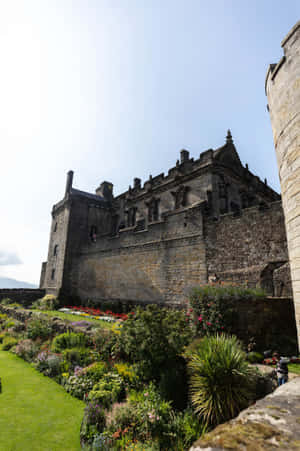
x: 270, y: 321
x: 24, y: 296
x: 271, y: 423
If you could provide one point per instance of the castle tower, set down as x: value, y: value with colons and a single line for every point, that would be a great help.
x: 283, y: 92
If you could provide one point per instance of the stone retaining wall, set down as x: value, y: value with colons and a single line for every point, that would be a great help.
x: 24, y: 296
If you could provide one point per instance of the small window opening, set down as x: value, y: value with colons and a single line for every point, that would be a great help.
x: 93, y: 234
x: 52, y: 274
x: 55, y: 227
x: 55, y: 250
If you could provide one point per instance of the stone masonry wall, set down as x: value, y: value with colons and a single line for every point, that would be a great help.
x: 157, y: 265
x: 283, y: 91
x: 24, y: 296
x: 239, y: 248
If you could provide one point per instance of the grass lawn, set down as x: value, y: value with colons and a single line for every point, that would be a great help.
x: 73, y: 318
x: 294, y: 368
x: 36, y: 414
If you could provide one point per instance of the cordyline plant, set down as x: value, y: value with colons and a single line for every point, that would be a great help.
x: 221, y: 381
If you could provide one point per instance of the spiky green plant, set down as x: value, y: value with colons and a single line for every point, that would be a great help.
x: 221, y: 381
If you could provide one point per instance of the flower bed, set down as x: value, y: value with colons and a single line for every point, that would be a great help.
x: 89, y: 312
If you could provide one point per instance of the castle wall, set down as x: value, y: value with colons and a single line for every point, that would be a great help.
x: 157, y: 265
x: 239, y: 248
x: 283, y: 91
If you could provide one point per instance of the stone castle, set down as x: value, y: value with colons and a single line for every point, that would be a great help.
x: 207, y: 219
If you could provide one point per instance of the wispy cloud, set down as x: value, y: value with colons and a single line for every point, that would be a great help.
x: 9, y: 258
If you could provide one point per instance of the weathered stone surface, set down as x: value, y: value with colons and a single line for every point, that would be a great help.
x: 272, y: 423
x: 283, y: 91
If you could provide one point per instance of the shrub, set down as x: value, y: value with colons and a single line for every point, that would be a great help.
x: 108, y: 390
x: 7, y: 301
x: 68, y: 340
x: 8, y: 343
x: 78, y: 386
x: 255, y: 357
x: 105, y: 343
x: 39, y: 328
x: 77, y: 357
x: 48, y: 363
x: 213, y: 307
x: 48, y: 302
x: 2, y: 337
x: 27, y: 349
x: 221, y: 382
x: 128, y: 374
x: 187, y: 429
x: 93, y: 423
x: 154, y: 340
x: 95, y: 371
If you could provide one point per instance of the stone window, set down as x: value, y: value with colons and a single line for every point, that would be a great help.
x: 180, y: 197
x: 93, y: 233
x: 131, y: 216
x: 55, y: 250
x: 153, y: 209
x: 52, y: 274
x: 55, y: 227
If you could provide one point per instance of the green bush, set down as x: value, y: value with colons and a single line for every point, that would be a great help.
x: 214, y: 307
x: 255, y: 357
x: 68, y: 340
x: 77, y: 357
x: 105, y: 343
x: 153, y: 339
x: 1, y: 338
x: 49, y: 363
x: 92, y: 424
x: 95, y: 371
x: 108, y: 390
x: 78, y: 386
x: 39, y: 328
x: 8, y: 343
x: 221, y: 381
x: 7, y: 301
x: 48, y: 302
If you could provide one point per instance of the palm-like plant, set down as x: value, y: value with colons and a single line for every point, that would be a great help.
x: 221, y: 380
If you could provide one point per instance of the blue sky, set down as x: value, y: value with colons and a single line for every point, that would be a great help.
x: 114, y: 90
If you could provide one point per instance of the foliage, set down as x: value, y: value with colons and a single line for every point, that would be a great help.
x: 48, y: 302
x: 78, y: 386
x: 213, y: 307
x: 8, y: 342
x: 95, y: 371
x: 48, y: 363
x: 77, y: 357
x: 68, y: 340
x: 187, y: 429
x: 39, y: 328
x: 255, y: 357
x: 3, y: 318
x: 27, y: 349
x: 93, y: 422
x: 221, y: 382
x: 2, y: 337
x: 108, y: 390
x: 154, y: 339
x: 106, y: 343
x: 6, y: 301
x: 128, y: 374
x: 294, y: 368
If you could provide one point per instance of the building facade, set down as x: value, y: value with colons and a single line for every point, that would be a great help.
x: 207, y: 219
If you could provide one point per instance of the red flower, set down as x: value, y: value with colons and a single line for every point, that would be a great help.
x: 200, y: 318
x: 209, y: 324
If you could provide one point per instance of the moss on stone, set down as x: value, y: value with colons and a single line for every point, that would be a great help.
x: 237, y: 436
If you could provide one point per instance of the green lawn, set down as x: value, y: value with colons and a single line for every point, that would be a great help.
x: 294, y: 368
x: 36, y: 414
x: 73, y: 318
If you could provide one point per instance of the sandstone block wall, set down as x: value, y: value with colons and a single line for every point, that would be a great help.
x: 283, y: 92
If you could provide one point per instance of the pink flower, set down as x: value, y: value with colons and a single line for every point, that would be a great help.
x: 209, y: 324
x: 200, y: 318
x: 146, y: 394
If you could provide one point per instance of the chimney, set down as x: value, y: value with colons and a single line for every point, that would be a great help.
x: 137, y: 183
x: 184, y: 155
x: 105, y: 190
x: 69, y: 182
